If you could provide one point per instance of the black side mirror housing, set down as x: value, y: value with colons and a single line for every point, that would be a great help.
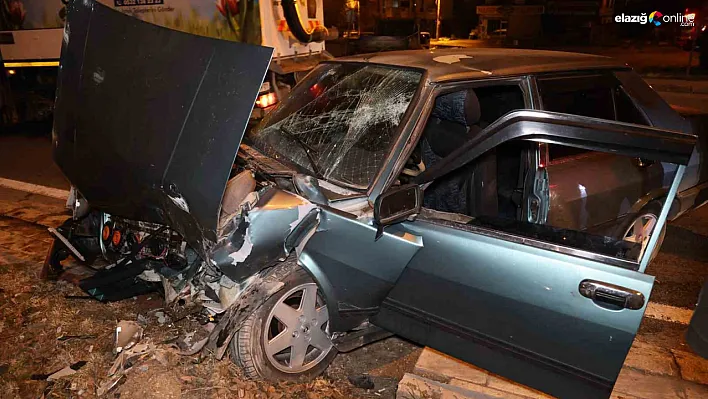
x: 396, y: 205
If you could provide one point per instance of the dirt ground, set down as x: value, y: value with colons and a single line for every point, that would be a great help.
x: 44, y: 327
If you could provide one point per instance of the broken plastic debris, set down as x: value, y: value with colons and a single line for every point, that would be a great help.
x: 128, y: 333
x: 108, y: 385
x: 66, y: 371
x: 150, y: 275
x: 68, y: 337
x: 195, y: 348
x: 161, y: 317
x: 362, y: 381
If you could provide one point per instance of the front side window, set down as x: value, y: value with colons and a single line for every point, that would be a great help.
x: 340, y: 122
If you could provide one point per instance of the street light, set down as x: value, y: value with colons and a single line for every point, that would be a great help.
x: 437, y: 21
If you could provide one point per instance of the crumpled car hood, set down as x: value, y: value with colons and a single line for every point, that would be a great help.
x: 148, y: 120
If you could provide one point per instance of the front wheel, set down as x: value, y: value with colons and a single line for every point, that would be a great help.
x: 287, y: 338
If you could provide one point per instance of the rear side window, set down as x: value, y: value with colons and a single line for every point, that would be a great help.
x: 586, y: 96
x: 597, y: 96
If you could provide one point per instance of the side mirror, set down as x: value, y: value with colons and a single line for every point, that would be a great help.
x: 396, y: 205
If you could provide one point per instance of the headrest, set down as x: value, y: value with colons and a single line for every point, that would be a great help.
x: 461, y: 107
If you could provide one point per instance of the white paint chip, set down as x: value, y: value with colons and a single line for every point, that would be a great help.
x: 450, y: 59
x: 245, y: 250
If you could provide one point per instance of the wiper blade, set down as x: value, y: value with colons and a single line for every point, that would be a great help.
x: 305, y: 147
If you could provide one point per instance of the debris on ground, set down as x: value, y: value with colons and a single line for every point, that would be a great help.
x: 128, y: 333
x: 161, y: 317
x: 361, y: 381
x: 34, y: 313
x: 68, y: 337
x: 66, y: 371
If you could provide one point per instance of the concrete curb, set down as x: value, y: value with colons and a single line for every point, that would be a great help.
x: 650, y: 372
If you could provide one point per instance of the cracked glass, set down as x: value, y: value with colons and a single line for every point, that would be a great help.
x: 340, y: 122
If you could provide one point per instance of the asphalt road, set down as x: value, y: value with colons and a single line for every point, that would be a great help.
x: 28, y: 158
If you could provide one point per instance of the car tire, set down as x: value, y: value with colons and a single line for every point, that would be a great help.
x: 650, y: 211
x: 263, y: 332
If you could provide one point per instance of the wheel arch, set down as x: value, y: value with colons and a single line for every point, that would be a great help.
x: 659, y: 195
x: 310, y: 265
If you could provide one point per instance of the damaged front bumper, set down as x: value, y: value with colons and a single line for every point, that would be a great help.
x: 241, y: 271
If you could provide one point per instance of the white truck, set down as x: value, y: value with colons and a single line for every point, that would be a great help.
x: 31, y: 34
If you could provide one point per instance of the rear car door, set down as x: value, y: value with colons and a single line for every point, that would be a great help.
x: 582, y: 183
x: 555, y: 309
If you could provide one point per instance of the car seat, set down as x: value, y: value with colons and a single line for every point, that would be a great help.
x: 470, y: 190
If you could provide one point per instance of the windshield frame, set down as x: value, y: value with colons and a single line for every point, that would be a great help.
x: 395, y: 136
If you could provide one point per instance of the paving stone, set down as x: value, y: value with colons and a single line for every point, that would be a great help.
x: 696, y: 391
x: 416, y: 387
x: 693, y: 367
x: 432, y: 362
x: 651, y: 359
x: 515, y: 388
x: 52, y: 221
x: 495, y: 393
x: 11, y: 240
x: 648, y: 386
x: 619, y: 395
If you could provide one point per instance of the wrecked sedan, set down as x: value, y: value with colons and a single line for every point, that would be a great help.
x: 396, y: 193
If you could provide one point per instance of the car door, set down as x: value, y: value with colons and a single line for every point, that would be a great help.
x: 554, y: 309
x: 582, y: 202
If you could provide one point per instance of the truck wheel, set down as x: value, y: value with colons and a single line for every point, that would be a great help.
x: 287, y: 337
x: 640, y: 226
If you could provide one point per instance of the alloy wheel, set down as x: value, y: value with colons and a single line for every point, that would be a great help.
x: 640, y: 231
x: 296, y: 336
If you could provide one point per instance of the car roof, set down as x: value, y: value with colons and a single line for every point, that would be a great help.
x: 471, y: 63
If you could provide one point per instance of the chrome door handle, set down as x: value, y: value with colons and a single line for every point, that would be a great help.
x: 611, y: 296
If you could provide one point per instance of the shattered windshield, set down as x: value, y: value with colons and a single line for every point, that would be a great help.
x: 340, y: 122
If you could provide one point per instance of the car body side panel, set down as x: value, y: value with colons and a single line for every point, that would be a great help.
x: 514, y: 310
x: 355, y: 271
x: 660, y: 113
x: 595, y: 188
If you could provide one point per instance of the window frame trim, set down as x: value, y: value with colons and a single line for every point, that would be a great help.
x: 543, y: 150
x: 536, y: 243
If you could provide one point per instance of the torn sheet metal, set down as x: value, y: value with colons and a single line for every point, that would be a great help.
x: 245, y: 250
x: 262, y: 288
x: 302, y: 211
x: 256, y: 238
